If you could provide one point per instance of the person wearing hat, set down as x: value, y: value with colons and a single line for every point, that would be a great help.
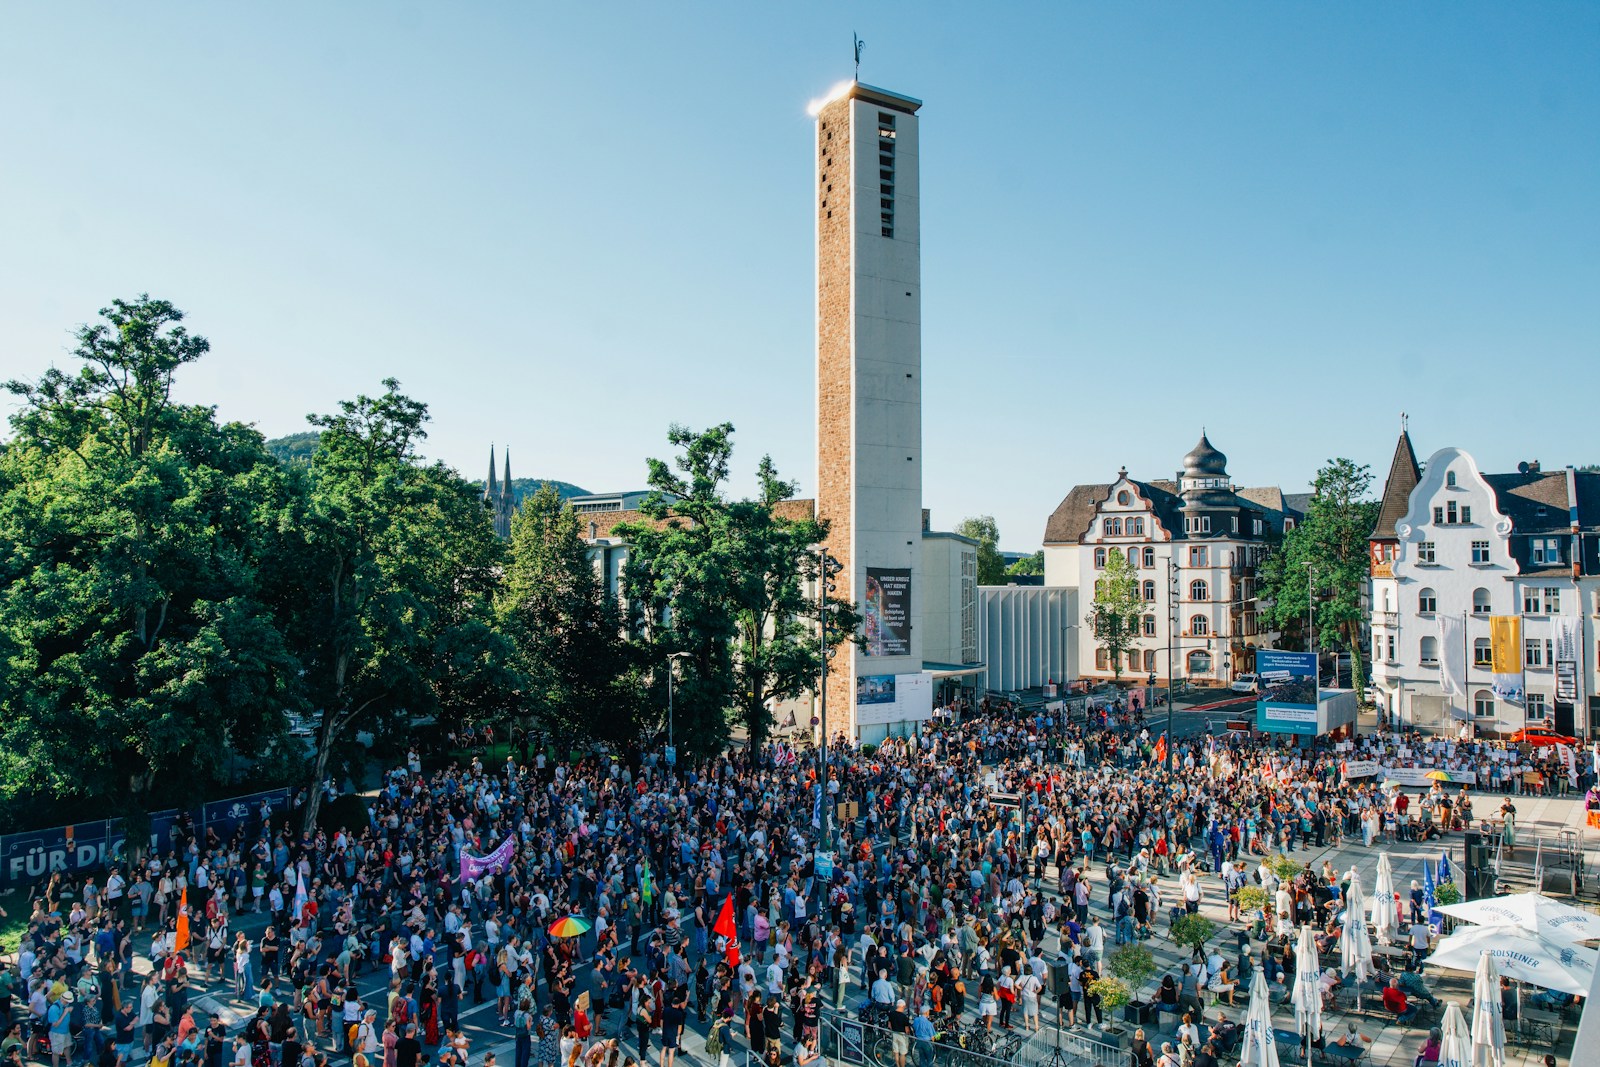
x: 900, y: 1032
x: 59, y: 1019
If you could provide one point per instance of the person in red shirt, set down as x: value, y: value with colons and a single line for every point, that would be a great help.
x: 1394, y: 1000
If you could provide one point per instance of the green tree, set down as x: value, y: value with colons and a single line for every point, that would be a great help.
x: 1027, y: 565
x: 721, y: 584
x: 1117, y: 609
x: 141, y: 655
x: 294, y: 448
x: 394, y: 561
x: 984, y: 530
x: 1333, y: 539
x: 575, y: 673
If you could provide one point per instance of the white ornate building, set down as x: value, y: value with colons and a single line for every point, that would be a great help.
x: 1195, y: 542
x: 1454, y: 547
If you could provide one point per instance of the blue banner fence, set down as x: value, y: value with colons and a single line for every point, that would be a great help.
x: 86, y: 847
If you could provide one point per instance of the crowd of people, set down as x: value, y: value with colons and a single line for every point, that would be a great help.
x: 989, y: 853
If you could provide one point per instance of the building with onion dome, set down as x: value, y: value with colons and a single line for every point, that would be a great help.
x: 1195, y: 541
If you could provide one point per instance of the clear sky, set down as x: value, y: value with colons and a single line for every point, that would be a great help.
x: 566, y: 226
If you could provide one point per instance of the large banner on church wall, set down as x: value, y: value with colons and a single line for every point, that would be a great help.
x: 886, y: 610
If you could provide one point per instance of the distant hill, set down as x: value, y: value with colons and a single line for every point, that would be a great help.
x: 524, y: 487
x: 295, y: 448
x: 298, y: 448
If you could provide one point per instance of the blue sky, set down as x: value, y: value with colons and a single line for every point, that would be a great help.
x: 566, y: 226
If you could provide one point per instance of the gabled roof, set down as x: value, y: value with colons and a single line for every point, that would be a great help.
x: 1403, y: 477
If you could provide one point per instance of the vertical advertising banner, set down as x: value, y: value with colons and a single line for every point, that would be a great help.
x: 1505, y: 656
x: 886, y: 610
x: 1566, y: 659
x: 1288, y: 703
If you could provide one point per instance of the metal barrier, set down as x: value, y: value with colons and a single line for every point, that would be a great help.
x: 846, y: 1040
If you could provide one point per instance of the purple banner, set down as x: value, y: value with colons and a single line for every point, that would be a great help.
x: 475, y: 867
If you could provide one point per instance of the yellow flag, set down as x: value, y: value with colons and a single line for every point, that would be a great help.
x: 1505, y: 644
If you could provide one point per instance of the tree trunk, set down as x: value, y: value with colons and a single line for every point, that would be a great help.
x: 325, y: 735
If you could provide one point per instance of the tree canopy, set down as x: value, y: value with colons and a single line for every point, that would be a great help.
x: 984, y: 530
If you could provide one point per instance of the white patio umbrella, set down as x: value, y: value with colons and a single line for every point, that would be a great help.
x: 1355, y: 946
x: 1488, y: 1024
x: 1532, y: 912
x: 1384, y: 920
x: 1259, y: 1048
x: 1455, y: 1044
x: 1307, y: 992
x: 1523, y: 956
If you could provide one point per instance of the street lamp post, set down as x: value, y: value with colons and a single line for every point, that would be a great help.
x: 1311, y: 617
x: 827, y: 567
x: 1172, y: 631
x: 672, y: 659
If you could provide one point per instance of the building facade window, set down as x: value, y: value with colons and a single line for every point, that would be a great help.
x: 1198, y: 590
x: 1427, y: 602
x: 1450, y: 479
x: 1149, y: 590
x: 1533, y: 652
x: 1199, y: 625
x: 1552, y: 600
x: 1429, y: 653
x: 1135, y: 527
x: 1150, y: 660
x: 1123, y: 498
x: 1480, y: 601
x: 1133, y: 659
x: 1424, y: 551
x: 1480, y: 652
x: 1537, y: 708
x: 1197, y: 557
x: 1200, y: 662
x: 1101, y: 662
x: 1149, y: 625
x: 1546, y: 550
x: 1483, y: 704
x: 1480, y: 552
x: 1113, y: 527
x: 1149, y: 558
x: 1100, y: 559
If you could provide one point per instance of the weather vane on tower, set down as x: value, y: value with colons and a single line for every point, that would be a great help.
x: 860, y: 44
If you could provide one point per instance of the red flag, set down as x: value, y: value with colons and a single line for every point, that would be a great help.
x: 724, y: 925
x: 1161, y: 749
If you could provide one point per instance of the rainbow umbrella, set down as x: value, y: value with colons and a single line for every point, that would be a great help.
x: 1439, y: 776
x: 570, y: 926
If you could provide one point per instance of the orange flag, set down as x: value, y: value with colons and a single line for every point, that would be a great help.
x: 181, y: 940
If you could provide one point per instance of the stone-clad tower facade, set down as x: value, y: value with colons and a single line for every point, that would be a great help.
x: 869, y: 377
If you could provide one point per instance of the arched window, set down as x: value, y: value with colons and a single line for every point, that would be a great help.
x: 1149, y: 558
x: 1149, y: 590
x: 1199, y: 625
x: 1480, y: 601
x: 1450, y: 478
x: 1100, y: 660
x: 1100, y: 558
x: 1198, y: 590
x: 1135, y: 527
x: 1427, y: 602
x: 1200, y: 662
x: 1149, y: 625
x: 1430, y: 651
x: 1483, y: 704
x: 1150, y: 659
x: 1113, y: 527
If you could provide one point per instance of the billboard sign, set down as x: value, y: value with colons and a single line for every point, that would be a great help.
x: 886, y: 611
x: 874, y: 689
x: 1288, y: 703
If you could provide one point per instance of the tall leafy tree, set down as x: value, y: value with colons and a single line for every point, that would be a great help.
x: 141, y: 655
x: 1333, y: 539
x: 1117, y: 608
x: 721, y: 583
x: 1028, y: 565
x: 984, y: 530
x: 395, y: 566
x: 575, y: 674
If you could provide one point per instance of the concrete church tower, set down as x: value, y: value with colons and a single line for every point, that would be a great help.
x: 869, y: 385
